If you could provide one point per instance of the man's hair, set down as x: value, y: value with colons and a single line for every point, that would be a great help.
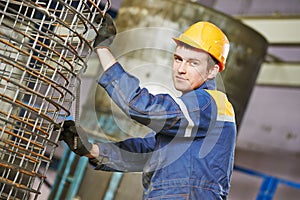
x: 212, y: 61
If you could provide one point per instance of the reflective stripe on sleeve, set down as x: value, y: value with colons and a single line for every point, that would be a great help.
x: 190, y: 126
x: 225, y: 118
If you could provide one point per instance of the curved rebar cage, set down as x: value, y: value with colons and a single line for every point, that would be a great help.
x: 44, y: 46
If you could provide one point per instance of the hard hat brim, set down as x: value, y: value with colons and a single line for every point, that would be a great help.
x: 187, y: 41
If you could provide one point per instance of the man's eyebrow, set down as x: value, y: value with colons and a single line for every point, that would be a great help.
x: 194, y: 59
x: 176, y: 56
x: 189, y: 59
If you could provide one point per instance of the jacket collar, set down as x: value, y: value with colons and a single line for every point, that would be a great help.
x: 210, y: 85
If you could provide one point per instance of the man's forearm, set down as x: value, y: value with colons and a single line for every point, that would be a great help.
x: 106, y: 58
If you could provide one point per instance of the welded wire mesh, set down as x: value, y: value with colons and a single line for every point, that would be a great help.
x: 44, y: 46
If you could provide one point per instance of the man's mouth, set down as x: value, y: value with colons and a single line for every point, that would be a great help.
x: 181, y: 78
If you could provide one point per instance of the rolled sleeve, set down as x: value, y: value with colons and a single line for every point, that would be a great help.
x: 128, y: 155
x: 115, y: 72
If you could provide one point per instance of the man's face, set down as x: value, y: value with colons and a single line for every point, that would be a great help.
x: 190, y: 69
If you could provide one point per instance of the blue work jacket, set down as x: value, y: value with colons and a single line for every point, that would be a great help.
x: 189, y: 154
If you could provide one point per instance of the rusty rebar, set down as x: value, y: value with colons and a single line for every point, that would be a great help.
x: 44, y: 46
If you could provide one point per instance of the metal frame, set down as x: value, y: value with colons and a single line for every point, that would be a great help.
x: 44, y: 48
x: 269, y: 185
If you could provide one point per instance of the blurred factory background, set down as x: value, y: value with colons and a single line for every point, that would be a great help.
x: 264, y: 83
x: 268, y: 144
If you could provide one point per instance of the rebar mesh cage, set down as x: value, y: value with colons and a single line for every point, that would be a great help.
x: 44, y: 47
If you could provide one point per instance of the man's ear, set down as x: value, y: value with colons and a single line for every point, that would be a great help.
x: 212, y: 73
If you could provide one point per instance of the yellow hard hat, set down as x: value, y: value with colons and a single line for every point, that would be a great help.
x: 208, y: 37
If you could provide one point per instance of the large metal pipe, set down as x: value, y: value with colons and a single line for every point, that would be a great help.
x: 248, y: 47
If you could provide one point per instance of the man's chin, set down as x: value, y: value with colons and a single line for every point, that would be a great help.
x: 183, y: 89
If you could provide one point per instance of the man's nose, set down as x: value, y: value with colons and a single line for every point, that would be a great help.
x: 182, y: 67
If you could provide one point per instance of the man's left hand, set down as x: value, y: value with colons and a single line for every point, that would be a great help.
x: 76, y: 138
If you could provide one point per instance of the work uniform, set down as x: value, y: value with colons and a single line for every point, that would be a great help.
x: 189, y: 154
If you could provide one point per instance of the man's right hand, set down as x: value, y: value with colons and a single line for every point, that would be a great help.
x: 107, y: 31
x: 76, y: 138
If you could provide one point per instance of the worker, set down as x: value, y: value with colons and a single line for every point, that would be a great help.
x: 190, y: 153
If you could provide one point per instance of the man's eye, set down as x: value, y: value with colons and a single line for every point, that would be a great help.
x: 194, y: 64
x: 177, y: 59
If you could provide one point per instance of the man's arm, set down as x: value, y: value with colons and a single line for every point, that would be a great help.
x: 106, y: 58
x: 148, y: 109
x: 128, y: 155
x: 105, y: 36
x: 158, y: 112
